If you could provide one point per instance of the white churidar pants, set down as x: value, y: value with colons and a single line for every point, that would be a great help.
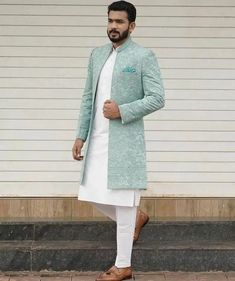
x: 125, y: 218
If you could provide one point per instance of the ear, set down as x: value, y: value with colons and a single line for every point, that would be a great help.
x: 132, y: 26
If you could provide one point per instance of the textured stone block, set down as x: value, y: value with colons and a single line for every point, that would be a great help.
x: 16, y: 231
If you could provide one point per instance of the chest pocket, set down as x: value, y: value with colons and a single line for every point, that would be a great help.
x: 128, y: 75
x: 129, y: 69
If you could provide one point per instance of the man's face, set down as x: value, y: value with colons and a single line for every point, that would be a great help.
x: 119, y: 27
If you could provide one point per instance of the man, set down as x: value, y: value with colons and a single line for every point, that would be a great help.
x: 123, y: 85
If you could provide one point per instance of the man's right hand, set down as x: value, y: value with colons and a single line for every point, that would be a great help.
x: 77, y: 147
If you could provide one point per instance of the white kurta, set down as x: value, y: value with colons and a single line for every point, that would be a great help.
x: 94, y: 187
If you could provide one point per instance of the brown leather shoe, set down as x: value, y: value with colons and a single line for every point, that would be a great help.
x: 141, y: 220
x: 116, y: 274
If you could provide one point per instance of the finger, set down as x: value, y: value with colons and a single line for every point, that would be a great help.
x: 76, y: 153
x: 74, y: 149
x: 106, y: 107
x: 108, y: 101
x: 106, y: 115
x: 78, y: 157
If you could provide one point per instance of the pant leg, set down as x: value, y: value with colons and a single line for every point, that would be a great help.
x: 126, y: 217
x: 108, y: 210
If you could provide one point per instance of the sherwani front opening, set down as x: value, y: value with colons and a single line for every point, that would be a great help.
x: 94, y: 186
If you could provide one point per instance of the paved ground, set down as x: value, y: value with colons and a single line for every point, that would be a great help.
x: 139, y: 276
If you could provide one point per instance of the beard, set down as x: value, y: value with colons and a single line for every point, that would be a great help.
x: 118, y: 36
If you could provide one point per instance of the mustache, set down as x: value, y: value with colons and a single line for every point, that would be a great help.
x: 113, y: 30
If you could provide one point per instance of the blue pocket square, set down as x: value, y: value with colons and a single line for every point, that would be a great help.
x: 129, y: 69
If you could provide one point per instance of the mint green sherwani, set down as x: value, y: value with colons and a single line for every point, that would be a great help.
x: 137, y: 89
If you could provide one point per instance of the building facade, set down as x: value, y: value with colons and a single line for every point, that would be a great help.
x: 45, y: 47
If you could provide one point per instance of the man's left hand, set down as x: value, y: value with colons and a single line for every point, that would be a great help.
x: 111, y: 110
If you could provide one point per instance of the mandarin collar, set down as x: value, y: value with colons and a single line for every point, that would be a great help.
x: 124, y: 45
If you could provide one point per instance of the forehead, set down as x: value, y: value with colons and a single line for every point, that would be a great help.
x: 114, y: 15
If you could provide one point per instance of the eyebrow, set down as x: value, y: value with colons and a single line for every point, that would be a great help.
x: 117, y: 20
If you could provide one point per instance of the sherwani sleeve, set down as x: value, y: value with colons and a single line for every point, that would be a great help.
x: 153, y: 92
x: 86, y: 106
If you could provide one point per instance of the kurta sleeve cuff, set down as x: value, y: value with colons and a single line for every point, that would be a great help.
x: 126, y: 115
x: 82, y: 134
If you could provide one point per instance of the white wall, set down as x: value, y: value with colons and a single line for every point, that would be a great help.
x: 44, y: 48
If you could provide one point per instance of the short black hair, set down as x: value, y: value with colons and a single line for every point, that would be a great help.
x: 124, y: 6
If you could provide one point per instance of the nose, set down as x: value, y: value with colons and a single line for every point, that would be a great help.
x: 113, y: 25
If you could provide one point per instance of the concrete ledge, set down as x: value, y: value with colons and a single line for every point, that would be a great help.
x: 106, y: 230
x: 91, y: 246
